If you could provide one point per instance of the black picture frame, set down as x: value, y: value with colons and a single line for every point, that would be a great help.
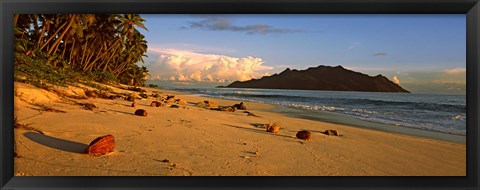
x: 471, y: 8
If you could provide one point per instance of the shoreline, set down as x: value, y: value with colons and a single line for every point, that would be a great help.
x: 352, y: 121
x: 193, y: 141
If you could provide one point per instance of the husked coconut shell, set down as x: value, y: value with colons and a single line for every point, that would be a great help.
x: 141, y: 112
x: 332, y: 132
x: 273, y: 127
x: 305, y: 135
x: 101, y: 146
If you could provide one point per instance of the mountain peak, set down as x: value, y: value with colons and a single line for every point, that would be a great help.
x: 323, y: 78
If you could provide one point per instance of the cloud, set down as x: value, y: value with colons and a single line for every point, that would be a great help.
x: 395, y: 80
x: 226, y: 24
x: 379, y: 54
x: 183, y: 65
x: 455, y: 71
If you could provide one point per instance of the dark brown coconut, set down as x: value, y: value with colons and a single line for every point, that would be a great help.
x: 141, y: 112
x: 101, y: 146
x: 305, y: 135
x: 156, y: 104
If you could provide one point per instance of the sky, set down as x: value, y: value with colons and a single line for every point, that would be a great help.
x: 421, y: 53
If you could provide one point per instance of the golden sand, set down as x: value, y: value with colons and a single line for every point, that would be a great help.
x: 193, y: 141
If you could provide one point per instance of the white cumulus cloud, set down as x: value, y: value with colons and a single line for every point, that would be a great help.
x: 455, y: 71
x: 184, y: 65
x: 395, y: 79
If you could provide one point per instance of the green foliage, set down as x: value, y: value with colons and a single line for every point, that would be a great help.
x: 103, y: 77
x: 134, y: 75
x: 95, y: 85
x: 152, y: 85
x: 39, y: 73
x: 60, y: 49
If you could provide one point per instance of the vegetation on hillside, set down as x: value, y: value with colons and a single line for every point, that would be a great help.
x: 63, y: 48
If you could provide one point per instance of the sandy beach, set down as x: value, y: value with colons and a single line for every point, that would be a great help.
x: 193, y: 141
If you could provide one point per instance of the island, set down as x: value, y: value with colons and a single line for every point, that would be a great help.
x: 322, y: 78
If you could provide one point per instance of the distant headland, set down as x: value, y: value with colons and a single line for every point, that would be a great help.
x: 322, y: 78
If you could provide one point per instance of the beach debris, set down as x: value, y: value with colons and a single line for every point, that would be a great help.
x: 181, y: 101
x: 44, y: 107
x: 304, y: 135
x: 156, y: 104
x: 272, y: 127
x: 170, y: 98
x: 155, y: 95
x: 228, y: 109
x: 332, y: 132
x: 207, y: 104
x: 141, y: 112
x: 131, y: 97
x: 143, y: 95
x: 174, y: 106
x: 225, y: 108
x: 136, y: 89
x: 90, y: 94
x: 16, y: 155
x: 27, y: 127
x: 134, y: 104
x: 165, y: 160
x: 101, y: 145
x: 112, y: 97
x: 240, y: 106
x: 101, y: 94
x: 250, y: 114
x: 88, y: 106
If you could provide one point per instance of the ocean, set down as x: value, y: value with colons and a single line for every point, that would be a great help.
x: 431, y: 112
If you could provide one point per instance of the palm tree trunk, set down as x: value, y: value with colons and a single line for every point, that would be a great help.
x: 64, y: 48
x: 15, y: 20
x: 84, y: 52
x: 53, y: 35
x: 108, y: 60
x: 57, y: 42
x: 41, y: 34
x: 71, y: 52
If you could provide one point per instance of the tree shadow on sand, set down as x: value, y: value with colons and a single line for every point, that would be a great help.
x: 261, y: 131
x: 56, y: 143
x: 117, y: 111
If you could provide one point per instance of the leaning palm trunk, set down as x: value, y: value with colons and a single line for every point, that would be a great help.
x: 57, y: 42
